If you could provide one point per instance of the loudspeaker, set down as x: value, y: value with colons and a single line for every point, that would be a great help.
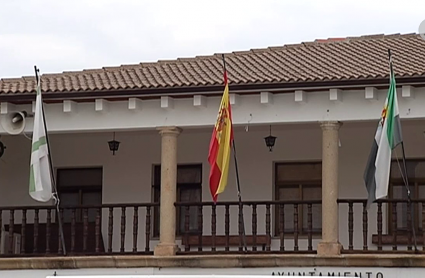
x: 14, y: 123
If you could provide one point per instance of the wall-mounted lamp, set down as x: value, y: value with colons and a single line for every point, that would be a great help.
x: 2, y: 148
x: 113, y: 145
x: 270, y: 140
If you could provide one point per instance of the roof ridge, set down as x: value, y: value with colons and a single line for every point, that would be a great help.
x: 11, y: 79
x: 383, y: 36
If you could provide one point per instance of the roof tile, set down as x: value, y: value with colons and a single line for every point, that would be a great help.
x: 319, y: 60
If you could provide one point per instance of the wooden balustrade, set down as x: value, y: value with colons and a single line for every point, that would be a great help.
x: 395, y: 223
x: 205, y: 228
x: 34, y: 231
x: 253, y: 227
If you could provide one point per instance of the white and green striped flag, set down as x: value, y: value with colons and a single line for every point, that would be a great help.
x: 387, y: 137
x: 40, y: 187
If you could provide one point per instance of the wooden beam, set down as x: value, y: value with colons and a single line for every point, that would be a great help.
x: 300, y: 96
x: 234, y: 99
x: 101, y: 105
x: 408, y: 91
x: 7, y: 107
x: 167, y: 102
x: 199, y: 101
x: 371, y: 93
x: 335, y: 95
x: 69, y: 106
x: 266, y: 98
x: 134, y: 103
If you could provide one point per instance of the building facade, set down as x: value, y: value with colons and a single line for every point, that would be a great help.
x: 146, y: 208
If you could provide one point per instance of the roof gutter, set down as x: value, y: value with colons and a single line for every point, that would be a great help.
x: 212, y: 90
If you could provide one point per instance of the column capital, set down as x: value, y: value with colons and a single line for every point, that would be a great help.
x: 169, y: 130
x: 330, y: 125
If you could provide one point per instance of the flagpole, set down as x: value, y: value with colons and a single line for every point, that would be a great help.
x: 52, y: 176
x: 406, y: 179
x: 409, y: 199
x: 241, y: 217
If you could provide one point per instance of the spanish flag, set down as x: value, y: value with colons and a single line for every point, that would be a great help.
x: 221, y: 140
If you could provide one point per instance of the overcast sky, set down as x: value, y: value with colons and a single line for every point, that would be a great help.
x: 60, y: 35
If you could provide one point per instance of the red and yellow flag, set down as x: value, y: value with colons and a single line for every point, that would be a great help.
x: 221, y: 140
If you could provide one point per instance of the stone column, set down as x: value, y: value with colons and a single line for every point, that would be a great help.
x: 167, y: 226
x: 330, y: 140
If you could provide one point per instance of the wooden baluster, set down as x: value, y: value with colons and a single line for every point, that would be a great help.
x: 394, y: 226
x: 148, y: 228
x: 282, y: 226
x: 11, y: 228
x: 423, y: 226
x: 254, y: 227
x: 350, y: 225
x: 135, y: 228
x: 73, y: 230
x: 296, y: 227
x: 49, y: 221
x: 240, y: 231
x: 60, y: 247
x: 23, y: 230
x: 110, y: 228
x: 186, y: 227
x: 97, y: 231
x: 200, y: 227
x: 409, y: 226
x: 310, y: 226
x: 268, y: 227
x: 85, y: 228
x: 123, y: 226
x: 365, y: 224
x: 227, y: 226
x: 213, y: 226
x: 36, y: 219
x: 379, y: 226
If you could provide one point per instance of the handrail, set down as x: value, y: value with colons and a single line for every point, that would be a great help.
x: 119, y: 205
x: 249, y: 203
x: 381, y: 201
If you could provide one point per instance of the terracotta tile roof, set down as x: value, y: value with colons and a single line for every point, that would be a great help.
x: 321, y: 60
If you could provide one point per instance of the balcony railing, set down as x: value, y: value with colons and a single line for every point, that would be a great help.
x: 34, y: 231
x: 203, y: 222
x: 394, y: 229
x: 208, y: 228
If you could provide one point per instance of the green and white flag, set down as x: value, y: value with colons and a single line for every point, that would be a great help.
x: 387, y: 137
x: 40, y: 187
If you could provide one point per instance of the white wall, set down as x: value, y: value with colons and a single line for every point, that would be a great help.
x: 283, y: 109
x: 370, y: 272
x: 127, y: 175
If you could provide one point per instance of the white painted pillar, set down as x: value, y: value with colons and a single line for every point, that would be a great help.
x: 330, y: 239
x: 167, y: 236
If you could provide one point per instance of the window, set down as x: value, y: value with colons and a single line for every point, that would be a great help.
x: 299, y: 181
x: 416, y: 175
x: 80, y: 186
x: 189, y: 189
x: 77, y: 187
